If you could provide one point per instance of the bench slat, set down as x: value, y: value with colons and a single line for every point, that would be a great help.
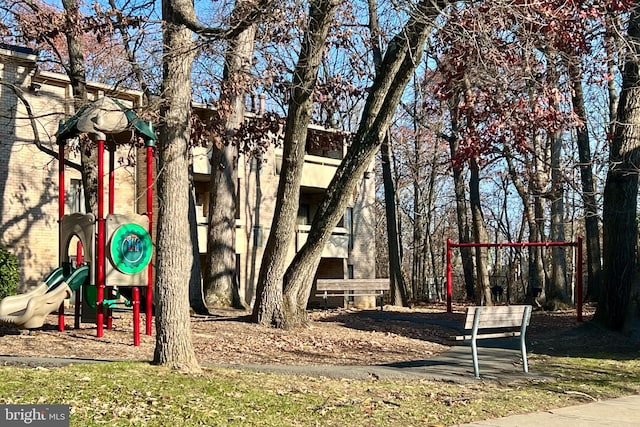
x: 352, y: 285
x: 493, y: 335
x: 496, y: 317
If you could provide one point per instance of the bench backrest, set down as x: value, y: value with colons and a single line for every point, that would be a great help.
x: 352, y: 284
x: 510, y: 316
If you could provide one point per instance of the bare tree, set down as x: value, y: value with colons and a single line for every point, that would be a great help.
x: 220, y: 279
x: 402, y: 56
x: 269, y: 305
x: 173, y: 254
x: 618, y: 307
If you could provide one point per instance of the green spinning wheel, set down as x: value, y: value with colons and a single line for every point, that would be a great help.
x: 131, y: 248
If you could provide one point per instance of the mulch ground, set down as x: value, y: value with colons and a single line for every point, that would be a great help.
x: 335, y: 337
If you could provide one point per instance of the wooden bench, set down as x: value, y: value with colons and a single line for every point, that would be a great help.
x: 352, y: 287
x: 496, y: 322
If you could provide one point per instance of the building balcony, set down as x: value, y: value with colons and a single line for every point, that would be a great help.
x: 317, y: 172
x: 336, y: 247
x: 241, y: 236
x: 201, y: 163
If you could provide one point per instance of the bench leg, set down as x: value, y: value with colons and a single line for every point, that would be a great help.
x: 474, y: 354
x: 474, y: 344
x: 523, y: 349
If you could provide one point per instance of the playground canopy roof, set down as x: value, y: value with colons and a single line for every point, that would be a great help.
x: 69, y: 128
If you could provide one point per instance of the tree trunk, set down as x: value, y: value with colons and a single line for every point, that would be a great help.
x: 77, y: 77
x: 618, y: 307
x: 483, y: 286
x: 196, y: 297
x: 268, y: 309
x: 557, y: 289
x: 402, y: 57
x: 174, y: 256
x: 220, y: 281
x: 592, y: 231
x: 429, y: 257
x: 399, y: 287
x: 466, y: 254
x: 538, y: 179
x: 536, y: 278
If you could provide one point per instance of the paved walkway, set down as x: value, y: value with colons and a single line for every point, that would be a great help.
x: 622, y: 412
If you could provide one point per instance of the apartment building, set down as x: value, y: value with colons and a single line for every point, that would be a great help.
x: 29, y: 187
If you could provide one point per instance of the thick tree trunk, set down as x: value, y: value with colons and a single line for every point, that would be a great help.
x: 483, y: 286
x: 269, y: 305
x: 402, y: 57
x: 174, y: 256
x: 557, y: 287
x: 618, y: 307
x: 220, y: 280
x: 592, y: 231
x: 399, y: 287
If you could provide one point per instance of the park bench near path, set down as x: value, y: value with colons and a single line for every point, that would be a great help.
x: 496, y: 322
x: 352, y: 288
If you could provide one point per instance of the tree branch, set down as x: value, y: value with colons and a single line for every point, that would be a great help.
x: 252, y: 12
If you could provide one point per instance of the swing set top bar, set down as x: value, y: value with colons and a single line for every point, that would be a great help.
x: 510, y: 244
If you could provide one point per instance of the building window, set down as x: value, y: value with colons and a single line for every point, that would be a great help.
x: 348, y: 224
x: 76, y: 196
x: 303, y: 214
x: 238, y: 199
x: 257, y: 236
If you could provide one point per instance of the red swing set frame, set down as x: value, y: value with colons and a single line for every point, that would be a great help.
x: 578, y: 266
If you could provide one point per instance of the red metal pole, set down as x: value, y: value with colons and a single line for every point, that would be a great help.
x: 100, y: 259
x: 112, y: 195
x: 449, y: 277
x: 149, y: 299
x: 579, y: 278
x: 79, y: 260
x: 136, y: 316
x: 112, y: 180
x: 61, y: 203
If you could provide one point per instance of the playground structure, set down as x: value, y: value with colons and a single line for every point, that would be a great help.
x: 117, y: 248
x: 578, y: 265
x: 123, y: 246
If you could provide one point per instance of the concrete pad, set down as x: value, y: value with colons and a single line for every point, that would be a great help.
x: 622, y: 412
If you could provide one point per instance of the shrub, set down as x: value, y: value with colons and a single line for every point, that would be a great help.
x: 9, y: 273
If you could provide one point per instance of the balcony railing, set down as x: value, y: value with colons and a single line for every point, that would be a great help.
x: 317, y: 171
x: 337, y: 247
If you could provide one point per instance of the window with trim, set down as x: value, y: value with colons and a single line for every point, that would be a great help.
x: 303, y: 214
x: 75, y: 201
x: 348, y: 224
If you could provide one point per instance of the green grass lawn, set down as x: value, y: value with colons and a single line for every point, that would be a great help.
x: 123, y: 394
